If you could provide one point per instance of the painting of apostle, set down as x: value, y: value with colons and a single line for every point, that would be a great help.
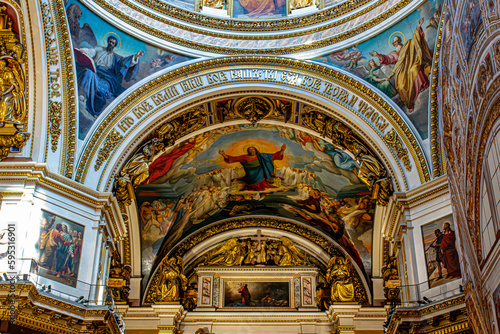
x: 442, y: 261
x: 59, y: 248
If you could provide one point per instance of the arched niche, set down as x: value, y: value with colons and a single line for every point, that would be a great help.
x: 198, y: 245
x: 131, y: 119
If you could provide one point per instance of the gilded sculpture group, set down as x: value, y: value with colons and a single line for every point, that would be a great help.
x: 237, y: 252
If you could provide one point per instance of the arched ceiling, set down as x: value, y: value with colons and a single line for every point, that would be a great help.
x: 337, y: 133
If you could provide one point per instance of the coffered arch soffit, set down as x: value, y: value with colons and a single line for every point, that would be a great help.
x: 132, y: 118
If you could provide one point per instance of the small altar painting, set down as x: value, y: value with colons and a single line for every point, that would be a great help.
x: 59, y: 248
x: 256, y: 294
x: 441, y: 257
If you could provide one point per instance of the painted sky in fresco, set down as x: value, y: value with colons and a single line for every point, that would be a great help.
x: 356, y: 60
x: 313, y: 182
x: 89, y: 32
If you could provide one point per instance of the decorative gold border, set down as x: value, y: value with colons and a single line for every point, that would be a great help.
x: 68, y: 96
x: 437, y: 162
x: 353, y: 85
x: 274, y: 51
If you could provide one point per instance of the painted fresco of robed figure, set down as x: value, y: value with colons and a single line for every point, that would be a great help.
x: 102, y: 79
x: 258, y: 167
x: 412, y: 64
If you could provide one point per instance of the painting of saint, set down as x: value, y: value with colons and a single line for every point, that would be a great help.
x: 412, y: 64
x: 59, y: 248
x: 398, y: 62
x: 442, y: 261
x: 101, y: 78
x: 259, y: 8
x: 258, y: 167
x: 108, y: 62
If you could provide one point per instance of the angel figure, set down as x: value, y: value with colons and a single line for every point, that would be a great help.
x: 290, y: 254
x: 229, y: 254
x: 350, y: 57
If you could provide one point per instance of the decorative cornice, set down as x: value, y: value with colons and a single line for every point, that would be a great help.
x: 371, y: 23
x: 40, y: 175
x: 256, y: 25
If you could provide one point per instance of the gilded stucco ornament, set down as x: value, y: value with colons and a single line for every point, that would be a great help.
x: 13, y: 108
x: 109, y: 145
x: 396, y: 144
x: 171, y: 281
x: 370, y: 170
x: 390, y: 275
x: 55, y: 123
x: 254, y: 108
x: 119, y: 279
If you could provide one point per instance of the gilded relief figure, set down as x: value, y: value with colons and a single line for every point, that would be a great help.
x: 217, y: 4
x: 235, y: 252
x: 230, y: 254
x: 339, y: 275
x: 12, y: 79
x: 172, y: 280
x: 290, y: 254
x: 12, y: 99
x: 296, y: 4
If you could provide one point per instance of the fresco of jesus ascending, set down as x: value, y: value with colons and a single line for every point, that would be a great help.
x: 258, y: 167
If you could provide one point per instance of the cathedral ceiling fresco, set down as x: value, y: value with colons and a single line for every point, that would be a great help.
x: 330, y: 182
x: 254, y: 170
